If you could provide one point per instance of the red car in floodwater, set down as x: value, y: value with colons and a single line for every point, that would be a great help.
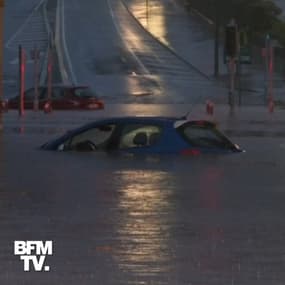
x: 62, y: 98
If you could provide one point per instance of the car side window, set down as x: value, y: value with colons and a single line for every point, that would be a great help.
x: 30, y: 94
x: 203, y: 136
x: 139, y: 135
x: 56, y: 93
x: 97, y: 137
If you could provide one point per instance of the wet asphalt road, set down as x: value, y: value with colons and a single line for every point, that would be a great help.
x: 121, y: 61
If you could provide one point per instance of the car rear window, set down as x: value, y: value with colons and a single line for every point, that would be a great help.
x: 30, y: 93
x: 204, y: 136
x: 139, y: 135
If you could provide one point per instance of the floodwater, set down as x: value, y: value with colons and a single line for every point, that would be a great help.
x: 215, y: 219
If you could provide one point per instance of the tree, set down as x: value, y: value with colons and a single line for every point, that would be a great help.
x: 258, y: 15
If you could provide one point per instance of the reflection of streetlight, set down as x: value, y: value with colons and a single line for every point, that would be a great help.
x: 143, y: 227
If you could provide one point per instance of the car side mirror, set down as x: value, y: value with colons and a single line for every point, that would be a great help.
x: 60, y: 147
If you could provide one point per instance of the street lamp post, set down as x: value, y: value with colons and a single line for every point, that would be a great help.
x: 231, y: 51
x: 1, y: 55
x: 267, y: 61
x: 217, y: 39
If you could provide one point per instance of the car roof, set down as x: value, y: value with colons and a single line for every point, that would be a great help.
x: 176, y: 121
x: 63, y: 86
x: 142, y: 118
x: 171, y: 122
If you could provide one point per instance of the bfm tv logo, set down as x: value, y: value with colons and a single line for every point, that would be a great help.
x: 33, y: 252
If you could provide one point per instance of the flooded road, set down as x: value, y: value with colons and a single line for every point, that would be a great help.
x: 205, y: 220
x: 144, y: 220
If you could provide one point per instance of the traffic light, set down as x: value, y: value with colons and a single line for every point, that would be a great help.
x: 231, y: 41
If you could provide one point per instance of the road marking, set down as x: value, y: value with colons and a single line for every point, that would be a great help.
x: 7, y: 44
x: 205, y: 18
x: 60, y: 44
x: 62, y: 69
x: 145, y: 70
x: 74, y: 79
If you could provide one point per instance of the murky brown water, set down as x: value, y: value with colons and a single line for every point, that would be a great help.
x: 143, y: 220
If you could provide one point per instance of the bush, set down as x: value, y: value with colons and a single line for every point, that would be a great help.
x: 278, y: 31
x: 259, y: 16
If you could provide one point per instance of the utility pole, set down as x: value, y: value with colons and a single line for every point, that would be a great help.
x: 36, y: 57
x: 267, y: 62
x: 22, y: 74
x: 49, y: 73
x: 271, y: 60
x: 217, y: 38
x: 232, y: 82
x: 232, y: 52
x: 2, y: 3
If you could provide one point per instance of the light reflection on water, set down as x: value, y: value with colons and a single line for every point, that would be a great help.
x: 145, y: 206
x: 152, y: 16
x: 142, y: 220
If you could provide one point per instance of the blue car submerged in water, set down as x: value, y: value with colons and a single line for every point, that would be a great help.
x: 146, y: 135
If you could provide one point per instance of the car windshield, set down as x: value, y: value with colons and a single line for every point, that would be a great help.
x: 98, y: 136
x: 205, y: 137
